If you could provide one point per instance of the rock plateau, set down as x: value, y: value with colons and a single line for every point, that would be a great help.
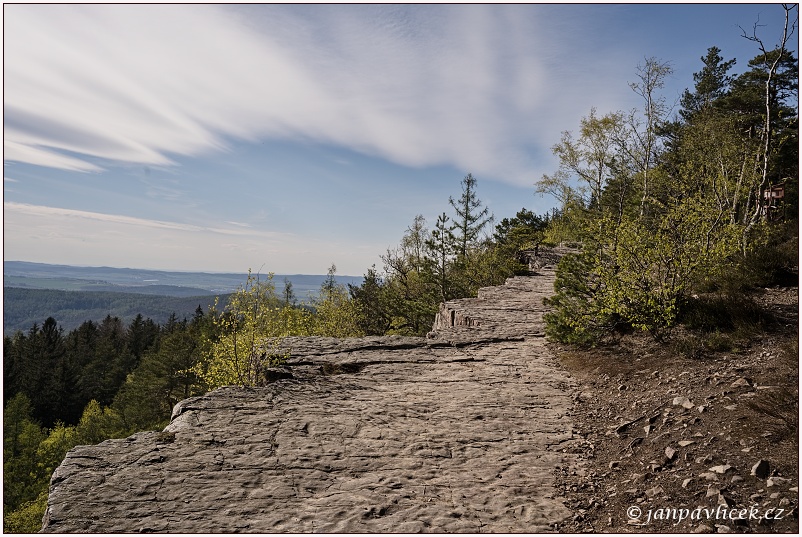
x: 457, y: 432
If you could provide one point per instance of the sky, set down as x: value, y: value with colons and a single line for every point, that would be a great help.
x: 287, y: 138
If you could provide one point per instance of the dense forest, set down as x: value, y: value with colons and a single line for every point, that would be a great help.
x: 24, y: 307
x: 675, y: 217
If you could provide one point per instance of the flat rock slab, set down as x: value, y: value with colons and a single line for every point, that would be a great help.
x: 458, y: 432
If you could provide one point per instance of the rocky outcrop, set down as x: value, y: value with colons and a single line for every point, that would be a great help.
x: 457, y: 432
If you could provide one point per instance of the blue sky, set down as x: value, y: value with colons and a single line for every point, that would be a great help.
x: 291, y: 137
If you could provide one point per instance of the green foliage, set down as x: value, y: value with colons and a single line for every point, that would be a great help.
x: 576, y: 316
x: 164, y: 375
x: 440, y: 248
x: 449, y: 261
x: 98, y: 424
x: 772, y: 257
x: 24, y: 307
x: 22, y: 476
x: 32, y: 453
x: 335, y: 314
x: 370, y: 302
x: 245, y: 333
x: 27, y: 518
x: 661, y: 222
x: 470, y: 216
x: 526, y: 231
x: 288, y: 294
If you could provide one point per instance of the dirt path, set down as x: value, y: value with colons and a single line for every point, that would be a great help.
x: 459, y: 432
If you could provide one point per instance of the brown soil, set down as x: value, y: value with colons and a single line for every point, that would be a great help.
x: 688, y: 469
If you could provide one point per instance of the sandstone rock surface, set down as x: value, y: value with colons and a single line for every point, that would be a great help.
x: 457, y: 432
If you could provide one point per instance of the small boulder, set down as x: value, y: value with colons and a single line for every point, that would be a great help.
x: 761, y: 469
x: 742, y: 382
x: 721, y: 469
x: 652, y: 492
x: 725, y: 501
x: 775, y: 481
x: 684, y: 402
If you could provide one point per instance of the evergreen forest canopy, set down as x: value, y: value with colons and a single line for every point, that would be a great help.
x: 670, y: 213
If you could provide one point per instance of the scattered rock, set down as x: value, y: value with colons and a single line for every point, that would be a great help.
x: 776, y: 481
x: 684, y: 402
x: 670, y: 453
x: 742, y: 382
x: 761, y: 469
x: 709, y: 433
x: 652, y: 492
x: 725, y: 501
x: 721, y: 469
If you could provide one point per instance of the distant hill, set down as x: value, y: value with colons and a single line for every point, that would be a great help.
x: 24, y: 307
x: 126, y: 280
x: 32, y: 292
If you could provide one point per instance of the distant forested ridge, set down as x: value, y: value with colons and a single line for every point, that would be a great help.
x: 72, y: 295
x: 24, y: 307
x: 127, y: 280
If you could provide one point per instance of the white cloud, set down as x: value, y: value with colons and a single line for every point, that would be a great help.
x: 469, y: 86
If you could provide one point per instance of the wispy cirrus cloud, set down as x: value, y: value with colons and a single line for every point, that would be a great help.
x: 470, y: 86
x: 87, y: 237
x: 43, y: 211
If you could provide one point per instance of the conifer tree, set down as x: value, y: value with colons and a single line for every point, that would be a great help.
x: 471, y: 216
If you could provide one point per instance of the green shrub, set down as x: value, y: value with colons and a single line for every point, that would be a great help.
x: 27, y: 518
x: 576, y: 316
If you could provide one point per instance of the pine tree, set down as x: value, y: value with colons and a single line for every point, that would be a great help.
x: 711, y: 84
x: 440, y: 248
x: 471, y: 216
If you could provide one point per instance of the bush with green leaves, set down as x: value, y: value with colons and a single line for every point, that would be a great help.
x: 244, y: 336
